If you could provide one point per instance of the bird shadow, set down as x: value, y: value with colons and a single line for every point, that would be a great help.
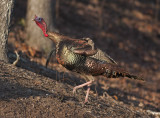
x: 10, y: 90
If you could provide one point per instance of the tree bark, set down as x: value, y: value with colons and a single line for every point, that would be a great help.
x: 46, y: 10
x: 6, y: 7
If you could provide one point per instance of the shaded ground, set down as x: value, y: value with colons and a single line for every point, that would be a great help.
x: 128, y: 31
x: 27, y: 94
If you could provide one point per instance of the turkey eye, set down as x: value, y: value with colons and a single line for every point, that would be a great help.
x: 39, y: 19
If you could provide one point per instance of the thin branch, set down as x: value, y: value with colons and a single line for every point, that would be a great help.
x: 17, y: 59
x: 49, y: 56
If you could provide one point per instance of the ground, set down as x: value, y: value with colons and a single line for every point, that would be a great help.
x: 126, y: 30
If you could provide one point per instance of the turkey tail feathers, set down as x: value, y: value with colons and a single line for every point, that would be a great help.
x: 134, y: 77
x: 116, y: 71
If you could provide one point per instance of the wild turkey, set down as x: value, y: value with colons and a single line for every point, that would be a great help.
x: 81, y: 56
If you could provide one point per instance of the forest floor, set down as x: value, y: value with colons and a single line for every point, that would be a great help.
x: 126, y: 30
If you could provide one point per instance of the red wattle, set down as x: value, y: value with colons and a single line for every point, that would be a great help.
x: 42, y: 25
x: 46, y: 35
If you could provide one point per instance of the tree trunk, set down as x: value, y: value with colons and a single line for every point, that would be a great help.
x: 5, y: 17
x: 45, y: 9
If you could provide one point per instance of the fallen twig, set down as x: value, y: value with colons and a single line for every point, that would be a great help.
x: 153, y: 113
x: 17, y: 59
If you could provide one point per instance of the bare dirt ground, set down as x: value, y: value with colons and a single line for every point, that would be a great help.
x: 127, y: 30
x: 27, y: 94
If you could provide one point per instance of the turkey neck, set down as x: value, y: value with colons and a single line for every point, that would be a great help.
x: 55, y: 37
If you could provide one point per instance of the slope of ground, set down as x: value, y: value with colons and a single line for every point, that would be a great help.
x: 27, y: 94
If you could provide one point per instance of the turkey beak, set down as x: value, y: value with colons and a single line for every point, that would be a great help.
x: 34, y: 18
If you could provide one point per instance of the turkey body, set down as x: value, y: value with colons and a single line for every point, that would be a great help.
x: 66, y: 57
x: 90, y: 65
